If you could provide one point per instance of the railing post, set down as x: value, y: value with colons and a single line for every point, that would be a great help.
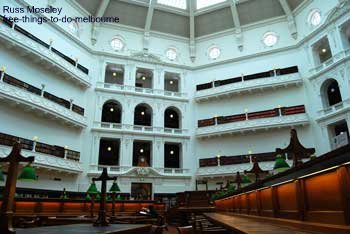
x: 42, y: 90
x: 71, y: 104
x: 242, y: 76
x: 35, y: 139
x: 50, y: 43
x: 246, y: 113
x: 2, y: 70
x: 65, y: 151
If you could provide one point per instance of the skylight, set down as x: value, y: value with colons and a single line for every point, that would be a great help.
x: 174, y: 3
x: 206, y: 3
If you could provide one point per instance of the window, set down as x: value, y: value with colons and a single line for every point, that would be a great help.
x: 117, y: 44
x: 214, y: 52
x: 174, y: 3
x: 206, y: 3
x: 314, y: 18
x: 171, y: 53
x: 74, y: 28
x: 270, y: 39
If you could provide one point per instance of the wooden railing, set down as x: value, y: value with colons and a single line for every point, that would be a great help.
x: 271, y: 73
x: 67, y: 207
x: 19, y: 29
x: 30, y: 88
x: 54, y: 150
x: 282, y: 111
x: 239, y: 159
x: 321, y: 197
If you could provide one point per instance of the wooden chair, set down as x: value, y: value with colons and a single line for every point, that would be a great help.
x: 185, y: 230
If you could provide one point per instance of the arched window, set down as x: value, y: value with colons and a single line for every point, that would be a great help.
x: 172, y: 118
x: 331, y: 93
x: 143, y: 115
x: 111, y: 112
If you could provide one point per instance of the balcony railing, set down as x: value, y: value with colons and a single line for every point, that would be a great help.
x: 21, y: 92
x: 335, y: 108
x: 95, y: 169
x: 104, y: 126
x: 278, y: 117
x: 333, y: 60
x: 11, y: 33
x: 141, y: 91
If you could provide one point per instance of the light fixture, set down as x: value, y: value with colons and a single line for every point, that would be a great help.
x: 3, y: 69
x: 143, y: 78
x: 246, y: 110
x: 324, y: 50
x: 218, y: 156
x: 28, y: 173
x: 250, y: 152
x: 332, y: 90
x: 109, y: 148
x: 171, y: 152
x: 141, y: 150
x: 341, y: 133
x: 171, y: 116
x: 142, y: 113
x: 114, y: 74
x: 171, y: 82
x: 112, y: 109
x: 114, y: 188
x: 66, y: 147
x: 35, y: 138
x: 92, y: 189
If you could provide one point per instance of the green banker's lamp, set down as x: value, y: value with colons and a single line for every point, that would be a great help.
x: 280, y: 164
x: 91, y: 192
x: 114, y: 189
x: 246, y: 179
x: 28, y: 173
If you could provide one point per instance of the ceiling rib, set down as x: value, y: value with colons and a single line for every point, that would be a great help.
x: 237, y: 24
x: 290, y: 18
x: 146, y: 34
x: 99, y: 13
x: 192, y: 32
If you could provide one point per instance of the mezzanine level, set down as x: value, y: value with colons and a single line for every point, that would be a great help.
x: 329, y: 64
x: 138, y: 91
x: 26, y: 44
x: 20, y: 93
x: 253, y: 121
x: 129, y: 171
x: 277, y: 78
x: 50, y: 157
x: 141, y: 130
x: 334, y: 110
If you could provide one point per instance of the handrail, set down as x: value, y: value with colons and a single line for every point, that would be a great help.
x: 271, y: 73
x: 122, y: 169
x: 140, y: 89
x: 19, y: 29
x: 280, y: 111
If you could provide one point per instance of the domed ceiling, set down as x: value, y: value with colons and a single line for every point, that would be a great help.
x: 191, y: 18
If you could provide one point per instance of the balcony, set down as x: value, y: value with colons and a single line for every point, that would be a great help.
x: 46, y: 156
x: 337, y: 109
x: 335, y: 60
x: 129, y: 171
x: 132, y: 90
x: 142, y: 130
x: 280, y: 78
x: 14, y: 37
x: 261, y: 120
x: 20, y: 93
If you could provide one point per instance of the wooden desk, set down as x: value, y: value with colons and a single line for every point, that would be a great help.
x: 88, y: 229
x: 261, y: 225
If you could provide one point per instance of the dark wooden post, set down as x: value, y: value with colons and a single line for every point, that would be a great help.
x: 344, y: 187
x: 6, y: 215
x: 256, y: 170
x: 301, y: 199
x: 113, y: 205
x: 102, y: 218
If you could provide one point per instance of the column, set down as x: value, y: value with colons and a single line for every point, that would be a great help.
x: 126, y: 146
x: 158, y: 78
x: 333, y: 42
x: 130, y: 74
x: 158, y: 153
x: 158, y: 115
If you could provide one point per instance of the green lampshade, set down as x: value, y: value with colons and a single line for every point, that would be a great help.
x: 280, y: 163
x: 2, y: 178
x: 98, y: 197
x: 88, y: 197
x: 92, y: 189
x: 115, y: 188
x: 246, y: 179
x: 28, y: 173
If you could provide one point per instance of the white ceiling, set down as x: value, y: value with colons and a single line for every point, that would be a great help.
x: 208, y: 20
